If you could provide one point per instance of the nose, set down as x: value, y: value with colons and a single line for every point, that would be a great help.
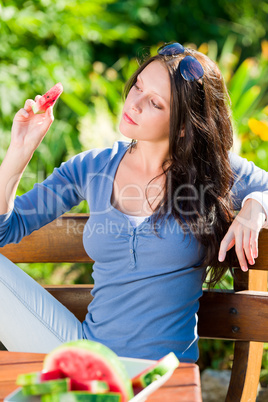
x: 136, y: 106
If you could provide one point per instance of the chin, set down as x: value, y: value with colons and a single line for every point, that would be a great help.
x: 124, y: 131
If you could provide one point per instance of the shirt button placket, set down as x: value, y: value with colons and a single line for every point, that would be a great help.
x: 132, y: 250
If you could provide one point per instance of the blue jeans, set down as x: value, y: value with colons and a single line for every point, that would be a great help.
x: 31, y: 319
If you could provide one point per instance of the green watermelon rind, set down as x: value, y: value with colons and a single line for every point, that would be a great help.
x: 99, y: 350
x: 80, y: 396
x: 62, y: 385
x: 167, y: 363
x: 28, y: 378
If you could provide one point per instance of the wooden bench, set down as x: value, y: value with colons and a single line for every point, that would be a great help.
x: 240, y: 315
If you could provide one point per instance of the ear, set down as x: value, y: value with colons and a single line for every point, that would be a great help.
x: 182, y: 132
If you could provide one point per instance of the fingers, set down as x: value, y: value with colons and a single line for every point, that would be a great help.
x: 30, y: 102
x: 233, y: 239
x: 243, y: 233
x: 28, y: 108
x: 241, y: 243
x: 240, y: 252
x: 49, y: 113
x: 48, y: 118
x: 250, y: 246
x: 22, y: 113
x: 246, y: 246
x: 28, y: 105
x: 254, y: 244
x: 226, y: 244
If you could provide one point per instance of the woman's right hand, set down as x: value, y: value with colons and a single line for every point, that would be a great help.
x: 29, y: 129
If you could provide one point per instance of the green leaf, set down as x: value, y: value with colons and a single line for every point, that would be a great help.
x: 74, y: 103
x: 240, y: 80
x: 246, y: 101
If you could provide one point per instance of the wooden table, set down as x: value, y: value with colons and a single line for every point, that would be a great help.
x: 184, y: 385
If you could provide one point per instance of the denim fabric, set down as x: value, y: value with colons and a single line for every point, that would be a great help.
x: 31, y: 320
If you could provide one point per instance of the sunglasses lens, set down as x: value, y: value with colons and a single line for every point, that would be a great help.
x: 171, y: 49
x: 191, y: 69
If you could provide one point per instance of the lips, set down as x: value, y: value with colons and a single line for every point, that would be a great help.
x: 128, y: 119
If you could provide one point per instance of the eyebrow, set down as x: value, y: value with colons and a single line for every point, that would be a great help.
x: 139, y: 77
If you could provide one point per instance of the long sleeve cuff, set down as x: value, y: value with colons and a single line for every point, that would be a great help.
x: 262, y: 198
x: 5, y: 217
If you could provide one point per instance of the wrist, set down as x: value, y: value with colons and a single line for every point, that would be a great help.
x: 258, y: 209
x: 17, y: 158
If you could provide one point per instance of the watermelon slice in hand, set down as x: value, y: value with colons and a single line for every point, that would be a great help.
x: 48, y: 99
x: 85, y: 360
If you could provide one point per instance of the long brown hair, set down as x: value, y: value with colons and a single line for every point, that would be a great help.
x: 200, y: 137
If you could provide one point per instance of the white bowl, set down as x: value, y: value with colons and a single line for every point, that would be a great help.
x: 133, y: 367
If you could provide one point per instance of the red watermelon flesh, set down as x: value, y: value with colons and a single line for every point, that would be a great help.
x: 51, y: 375
x: 94, y: 386
x: 85, y: 360
x: 48, y: 99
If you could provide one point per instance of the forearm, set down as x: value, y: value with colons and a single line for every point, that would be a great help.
x: 248, y: 178
x: 262, y: 198
x: 11, y: 171
x: 28, y: 130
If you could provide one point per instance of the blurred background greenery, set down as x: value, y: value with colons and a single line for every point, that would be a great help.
x: 92, y: 47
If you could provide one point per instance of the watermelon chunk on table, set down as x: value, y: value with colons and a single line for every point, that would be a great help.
x: 85, y: 360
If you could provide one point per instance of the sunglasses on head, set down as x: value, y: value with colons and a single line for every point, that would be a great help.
x: 190, y: 68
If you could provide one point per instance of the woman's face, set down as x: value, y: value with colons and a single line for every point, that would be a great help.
x: 146, y: 112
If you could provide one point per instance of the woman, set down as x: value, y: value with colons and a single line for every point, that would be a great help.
x: 161, y: 209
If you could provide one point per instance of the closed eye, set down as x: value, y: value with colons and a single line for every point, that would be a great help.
x: 136, y: 86
x: 155, y: 105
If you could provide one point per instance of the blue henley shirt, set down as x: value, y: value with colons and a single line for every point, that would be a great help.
x: 146, y: 287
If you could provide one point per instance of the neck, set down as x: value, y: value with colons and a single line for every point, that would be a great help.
x: 150, y: 156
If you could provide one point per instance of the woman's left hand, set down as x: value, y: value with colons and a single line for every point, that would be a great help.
x: 243, y: 234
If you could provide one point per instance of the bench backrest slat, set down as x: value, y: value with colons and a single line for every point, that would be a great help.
x: 59, y: 241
